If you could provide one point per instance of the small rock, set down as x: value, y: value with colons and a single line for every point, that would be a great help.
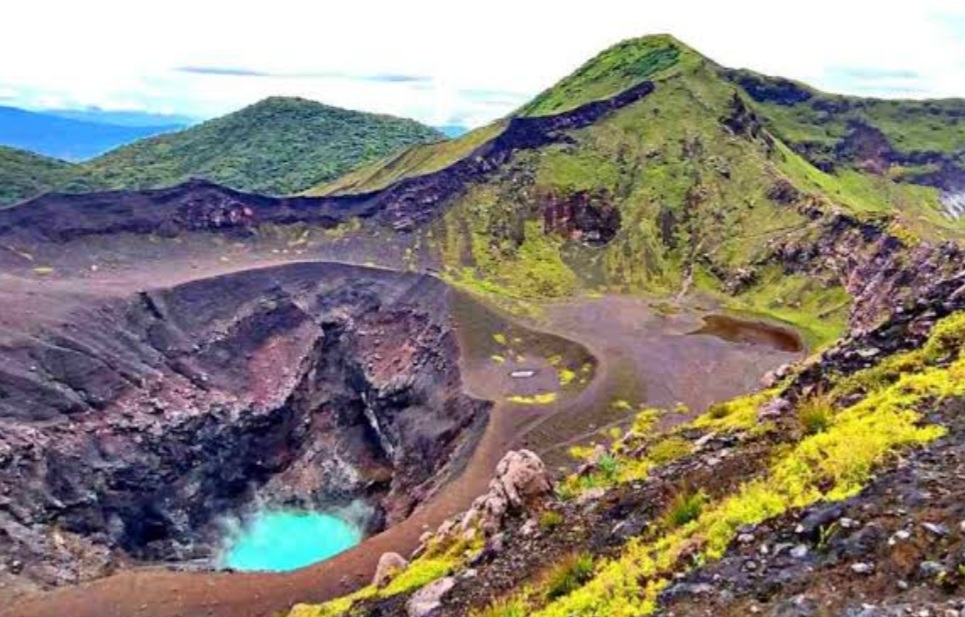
x: 937, y: 529
x: 862, y: 568
x: 429, y: 599
x: 899, y: 536
x: 745, y: 538
x: 773, y: 409
x: 800, y: 551
x: 930, y: 569
x: 590, y: 495
x: 703, y: 441
x: 529, y: 529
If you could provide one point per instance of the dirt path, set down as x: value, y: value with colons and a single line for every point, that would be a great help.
x: 642, y: 356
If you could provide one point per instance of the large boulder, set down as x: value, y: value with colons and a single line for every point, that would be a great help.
x: 390, y: 564
x: 427, y: 601
x: 520, y: 479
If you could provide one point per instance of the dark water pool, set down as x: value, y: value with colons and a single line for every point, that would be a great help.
x: 738, y: 330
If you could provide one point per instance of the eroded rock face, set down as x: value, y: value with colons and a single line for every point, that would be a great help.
x: 126, y: 431
x: 587, y: 216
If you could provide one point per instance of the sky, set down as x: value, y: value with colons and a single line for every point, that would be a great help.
x: 445, y: 62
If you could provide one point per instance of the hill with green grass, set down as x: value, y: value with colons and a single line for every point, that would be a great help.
x: 699, y: 186
x: 24, y: 174
x: 656, y: 172
x: 276, y: 146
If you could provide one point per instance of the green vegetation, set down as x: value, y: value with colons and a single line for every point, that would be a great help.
x: 569, y: 575
x: 440, y: 559
x: 543, y: 398
x: 618, y: 68
x: 699, y: 189
x: 415, y: 161
x: 276, y: 146
x: 669, y: 450
x: 801, y: 116
x: 830, y: 464
x: 686, y: 507
x: 24, y: 175
x: 550, y: 520
x: 815, y: 415
x: 508, y: 607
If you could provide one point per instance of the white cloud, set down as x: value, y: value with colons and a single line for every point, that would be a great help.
x: 119, y: 54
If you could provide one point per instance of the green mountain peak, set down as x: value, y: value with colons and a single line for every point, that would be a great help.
x: 614, y: 70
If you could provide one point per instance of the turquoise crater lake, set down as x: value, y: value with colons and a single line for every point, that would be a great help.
x: 283, y: 540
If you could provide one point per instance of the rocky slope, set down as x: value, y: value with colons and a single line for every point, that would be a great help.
x: 130, y: 425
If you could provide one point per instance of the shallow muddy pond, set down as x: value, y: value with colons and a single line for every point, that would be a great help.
x: 736, y: 330
x: 283, y: 540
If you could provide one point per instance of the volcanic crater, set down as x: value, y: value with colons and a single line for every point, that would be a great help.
x: 132, y: 424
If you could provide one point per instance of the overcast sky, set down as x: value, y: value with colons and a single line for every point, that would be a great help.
x: 445, y: 62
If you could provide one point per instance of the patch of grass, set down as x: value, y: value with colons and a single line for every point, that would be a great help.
x: 569, y: 575
x: 609, y: 467
x: 815, y: 414
x: 544, y: 398
x: 439, y: 560
x: 506, y: 607
x: 566, y: 377
x: 669, y: 449
x: 686, y: 507
x: 24, y: 174
x: 739, y: 414
x: 550, y: 520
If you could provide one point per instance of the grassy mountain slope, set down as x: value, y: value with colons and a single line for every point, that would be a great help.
x: 613, y: 71
x: 690, y: 188
x: 24, y: 175
x: 414, y: 161
x: 806, y: 117
x: 278, y: 146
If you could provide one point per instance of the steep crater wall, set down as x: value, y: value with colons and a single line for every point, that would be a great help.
x: 132, y: 427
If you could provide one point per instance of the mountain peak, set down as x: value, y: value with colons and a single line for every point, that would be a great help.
x: 614, y: 70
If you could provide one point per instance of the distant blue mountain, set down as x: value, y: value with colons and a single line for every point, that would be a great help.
x: 452, y: 130
x: 123, y: 118
x: 64, y: 138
